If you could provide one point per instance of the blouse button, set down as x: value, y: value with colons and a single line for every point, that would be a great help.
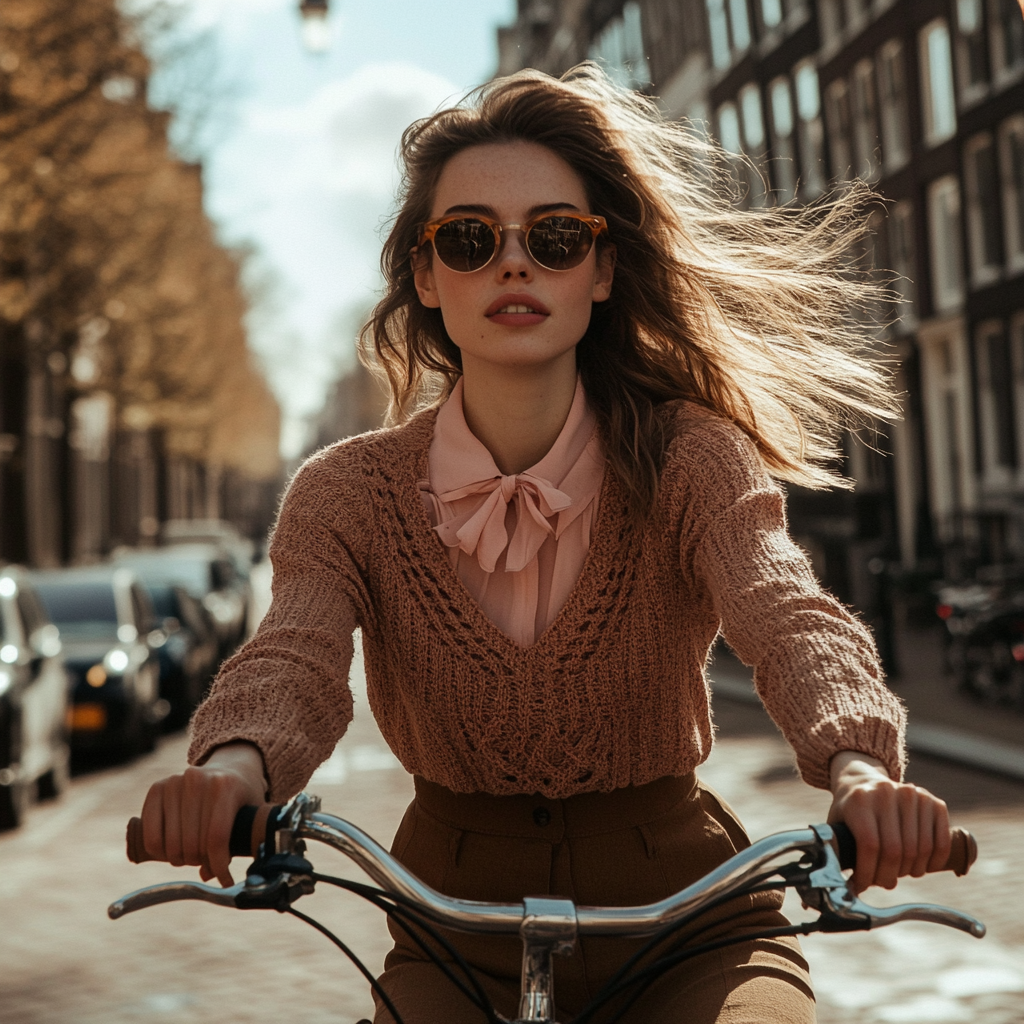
x: 541, y: 816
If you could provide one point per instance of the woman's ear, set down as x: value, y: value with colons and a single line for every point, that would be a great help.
x: 423, y: 278
x: 604, y: 272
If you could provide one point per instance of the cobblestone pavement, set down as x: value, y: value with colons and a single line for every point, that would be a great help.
x: 63, y: 962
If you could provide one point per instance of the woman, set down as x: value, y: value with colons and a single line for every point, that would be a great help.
x: 541, y: 558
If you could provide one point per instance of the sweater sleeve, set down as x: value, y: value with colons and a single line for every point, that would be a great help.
x: 286, y: 690
x: 816, y: 668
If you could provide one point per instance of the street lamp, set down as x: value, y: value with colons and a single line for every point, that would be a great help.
x: 316, y: 34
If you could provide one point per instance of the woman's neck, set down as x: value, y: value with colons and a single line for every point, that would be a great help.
x: 517, y: 413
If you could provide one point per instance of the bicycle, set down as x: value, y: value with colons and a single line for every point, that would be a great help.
x: 548, y: 925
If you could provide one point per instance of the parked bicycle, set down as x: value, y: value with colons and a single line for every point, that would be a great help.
x: 809, y: 860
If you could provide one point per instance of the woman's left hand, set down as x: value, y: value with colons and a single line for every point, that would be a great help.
x: 900, y: 828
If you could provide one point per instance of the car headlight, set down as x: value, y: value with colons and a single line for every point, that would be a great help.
x: 8, y: 654
x: 116, y: 661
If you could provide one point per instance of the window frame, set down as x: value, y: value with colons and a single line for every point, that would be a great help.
x: 983, y: 270
x: 1013, y: 198
x: 996, y: 436
x: 893, y: 105
x: 936, y: 133
x: 946, y: 299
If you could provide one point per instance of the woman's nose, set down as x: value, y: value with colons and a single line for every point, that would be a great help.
x: 513, y: 259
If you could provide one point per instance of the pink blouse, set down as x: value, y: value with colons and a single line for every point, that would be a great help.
x: 548, y: 511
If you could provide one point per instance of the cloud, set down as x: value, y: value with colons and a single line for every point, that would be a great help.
x: 313, y: 185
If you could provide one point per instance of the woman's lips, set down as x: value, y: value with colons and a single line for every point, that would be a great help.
x: 517, y: 311
x: 518, y: 319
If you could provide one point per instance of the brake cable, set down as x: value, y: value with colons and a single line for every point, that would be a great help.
x: 403, y: 909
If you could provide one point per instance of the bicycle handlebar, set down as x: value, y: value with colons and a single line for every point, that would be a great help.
x: 250, y: 823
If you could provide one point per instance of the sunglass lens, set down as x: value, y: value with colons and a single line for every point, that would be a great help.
x: 560, y: 243
x: 464, y: 245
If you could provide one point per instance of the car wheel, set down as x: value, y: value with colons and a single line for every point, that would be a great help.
x: 13, y: 804
x: 51, y: 784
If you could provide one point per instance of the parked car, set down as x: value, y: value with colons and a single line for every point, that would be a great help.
x: 223, y: 535
x: 104, y: 617
x: 185, y: 640
x: 33, y: 700
x: 206, y: 573
x: 985, y: 640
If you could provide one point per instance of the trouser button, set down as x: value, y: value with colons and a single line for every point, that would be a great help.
x: 541, y: 816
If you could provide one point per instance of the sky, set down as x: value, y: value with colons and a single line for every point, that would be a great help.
x: 299, y: 161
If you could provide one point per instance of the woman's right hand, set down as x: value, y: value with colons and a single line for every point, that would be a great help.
x: 187, y: 818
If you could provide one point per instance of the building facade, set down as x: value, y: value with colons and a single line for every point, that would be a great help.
x: 923, y: 99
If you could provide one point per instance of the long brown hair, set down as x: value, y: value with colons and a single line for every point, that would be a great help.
x: 752, y: 314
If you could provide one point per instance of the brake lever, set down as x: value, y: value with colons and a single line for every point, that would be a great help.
x: 276, y: 892
x: 823, y: 887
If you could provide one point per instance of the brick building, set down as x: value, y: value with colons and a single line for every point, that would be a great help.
x: 924, y: 99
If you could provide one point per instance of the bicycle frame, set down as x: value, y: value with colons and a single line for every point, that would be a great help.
x: 548, y: 926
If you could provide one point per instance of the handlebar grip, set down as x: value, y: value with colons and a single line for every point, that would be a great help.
x: 247, y: 832
x: 963, y: 851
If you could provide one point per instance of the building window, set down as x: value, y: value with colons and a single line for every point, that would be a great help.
x: 1017, y: 356
x: 752, y: 119
x: 902, y: 261
x: 752, y: 123
x: 832, y: 22
x: 937, y: 93
x: 893, y: 110
x: 783, y: 167
x: 739, y: 23
x: 729, y: 129
x: 812, y: 132
x: 771, y: 13
x: 728, y: 29
x: 981, y: 183
x: 837, y: 116
x: 1007, y: 31
x: 971, y: 51
x: 865, y: 121
x: 619, y: 49
x: 946, y: 255
x: 1011, y: 160
x: 995, y: 376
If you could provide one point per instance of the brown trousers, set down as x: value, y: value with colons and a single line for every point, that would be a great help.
x: 632, y: 846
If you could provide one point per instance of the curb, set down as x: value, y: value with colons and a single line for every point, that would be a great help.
x: 934, y: 740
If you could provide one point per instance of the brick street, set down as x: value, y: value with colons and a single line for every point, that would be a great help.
x: 64, y: 962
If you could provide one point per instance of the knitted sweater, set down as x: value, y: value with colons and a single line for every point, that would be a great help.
x: 612, y: 694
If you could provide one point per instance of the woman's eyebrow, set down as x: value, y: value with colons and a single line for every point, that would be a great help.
x: 488, y: 211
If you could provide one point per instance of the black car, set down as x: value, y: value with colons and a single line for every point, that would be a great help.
x: 186, y: 645
x: 104, y: 616
x: 206, y: 573
x: 33, y: 700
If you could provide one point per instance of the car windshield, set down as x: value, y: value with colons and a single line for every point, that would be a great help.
x: 80, y: 610
x: 165, y: 601
x: 192, y: 574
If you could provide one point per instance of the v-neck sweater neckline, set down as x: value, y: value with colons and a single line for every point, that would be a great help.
x: 609, y: 524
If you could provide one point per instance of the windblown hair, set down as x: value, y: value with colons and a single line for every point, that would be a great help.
x: 758, y: 315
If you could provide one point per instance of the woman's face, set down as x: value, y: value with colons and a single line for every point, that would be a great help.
x: 512, y: 182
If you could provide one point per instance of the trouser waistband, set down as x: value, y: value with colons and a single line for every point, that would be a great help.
x: 536, y: 816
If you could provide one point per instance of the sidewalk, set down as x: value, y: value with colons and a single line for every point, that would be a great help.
x: 942, y: 722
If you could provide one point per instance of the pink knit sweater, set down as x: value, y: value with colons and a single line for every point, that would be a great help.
x: 612, y: 694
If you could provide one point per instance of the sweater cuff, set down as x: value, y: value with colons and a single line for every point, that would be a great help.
x: 877, y: 737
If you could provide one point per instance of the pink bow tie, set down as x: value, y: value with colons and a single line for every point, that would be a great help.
x: 482, y: 531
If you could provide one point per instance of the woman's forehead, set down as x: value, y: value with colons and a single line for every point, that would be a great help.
x: 510, y: 178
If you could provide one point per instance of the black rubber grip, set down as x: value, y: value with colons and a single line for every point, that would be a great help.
x: 847, y: 845
x: 240, y: 842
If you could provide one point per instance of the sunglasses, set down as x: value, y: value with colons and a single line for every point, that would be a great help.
x: 555, y: 241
